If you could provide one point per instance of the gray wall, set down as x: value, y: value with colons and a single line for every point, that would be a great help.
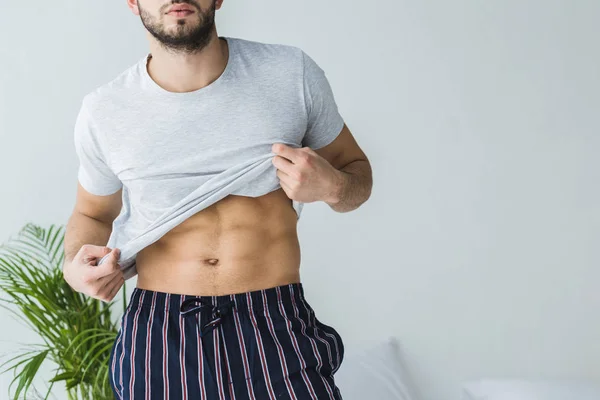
x: 478, y: 248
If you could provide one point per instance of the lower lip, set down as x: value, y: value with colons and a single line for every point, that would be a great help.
x: 183, y: 13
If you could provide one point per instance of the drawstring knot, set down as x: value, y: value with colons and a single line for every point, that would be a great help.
x: 217, y: 312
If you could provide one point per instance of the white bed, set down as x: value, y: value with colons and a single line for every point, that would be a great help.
x: 378, y: 372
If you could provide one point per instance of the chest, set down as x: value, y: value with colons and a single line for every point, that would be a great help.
x: 151, y: 139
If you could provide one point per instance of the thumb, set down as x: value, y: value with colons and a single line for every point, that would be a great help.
x: 285, y: 151
x: 112, y: 257
x: 89, y: 254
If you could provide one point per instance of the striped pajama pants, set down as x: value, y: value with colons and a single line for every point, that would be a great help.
x: 265, y: 344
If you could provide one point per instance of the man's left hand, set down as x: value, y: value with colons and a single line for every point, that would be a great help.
x: 304, y: 175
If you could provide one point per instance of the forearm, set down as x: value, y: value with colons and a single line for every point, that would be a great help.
x: 82, y: 229
x: 353, y: 187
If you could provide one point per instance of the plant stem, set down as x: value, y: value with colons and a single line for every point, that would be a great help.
x: 48, y: 392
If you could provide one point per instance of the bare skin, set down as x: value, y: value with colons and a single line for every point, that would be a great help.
x: 236, y: 245
x: 239, y: 243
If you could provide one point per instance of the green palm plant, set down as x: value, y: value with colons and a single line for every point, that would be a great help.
x: 76, y: 330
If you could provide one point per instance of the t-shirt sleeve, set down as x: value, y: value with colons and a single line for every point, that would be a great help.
x: 324, y: 120
x: 94, y: 173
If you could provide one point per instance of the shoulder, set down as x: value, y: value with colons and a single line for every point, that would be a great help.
x: 119, y: 87
x: 271, y: 53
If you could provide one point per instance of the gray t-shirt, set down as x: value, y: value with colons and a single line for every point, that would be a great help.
x: 175, y: 154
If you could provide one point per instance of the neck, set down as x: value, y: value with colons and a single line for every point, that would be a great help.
x: 179, y: 72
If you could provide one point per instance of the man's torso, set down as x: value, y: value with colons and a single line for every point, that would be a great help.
x: 237, y: 245
x: 164, y: 145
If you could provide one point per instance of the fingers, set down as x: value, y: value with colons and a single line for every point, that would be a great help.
x: 285, y: 151
x: 285, y: 178
x: 109, y: 288
x: 89, y: 252
x: 116, y: 288
x: 108, y: 266
x: 285, y: 187
x: 101, y: 282
x: 283, y: 164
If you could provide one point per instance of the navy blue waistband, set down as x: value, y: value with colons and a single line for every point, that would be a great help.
x: 255, y: 300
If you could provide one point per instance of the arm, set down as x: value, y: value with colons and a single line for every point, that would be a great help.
x: 338, y: 173
x: 87, y: 232
x: 353, y: 177
x: 90, y: 222
x: 99, y: 190
x: 97, y: 204
x: 330, y: 166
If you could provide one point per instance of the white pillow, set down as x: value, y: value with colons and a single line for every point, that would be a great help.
x: 490, y: 389
x: 374, y: 371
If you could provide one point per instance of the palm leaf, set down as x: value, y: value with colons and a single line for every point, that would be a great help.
x: 77, y: 331
x: 25, y: 377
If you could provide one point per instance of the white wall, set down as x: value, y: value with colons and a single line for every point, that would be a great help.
x: 480, y: 119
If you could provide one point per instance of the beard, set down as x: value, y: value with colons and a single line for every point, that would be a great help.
x: 190, y: 35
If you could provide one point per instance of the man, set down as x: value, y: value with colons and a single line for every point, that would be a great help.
x: 194, y: 165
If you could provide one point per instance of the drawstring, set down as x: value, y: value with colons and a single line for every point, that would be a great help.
x: 217, y: 312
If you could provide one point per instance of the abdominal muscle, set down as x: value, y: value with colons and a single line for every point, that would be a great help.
x: 237, y: 245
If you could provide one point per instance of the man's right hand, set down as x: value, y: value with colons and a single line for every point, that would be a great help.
x: 84, y: 275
